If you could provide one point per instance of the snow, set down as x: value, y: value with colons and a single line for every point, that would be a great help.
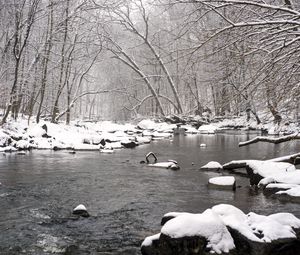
x: 86, y: 147
x: 3, y: 138
x: 80, y: 207
x: 280, y: 186
x: 222, y: 180
x: 141, y: 139
x: 212, y: 165
x: 286, y: 219
x: 175, y: 214
x: 162, y: 164
x: 207, y: 129
x: 269, y: 168
x: 107, y: 150
x: 265, y: 181
x: 36, y: 130
x: 293, y: 192
x: 147, y: 124
x: 149, y: 240
x: 157, y: 134
x: 269, y: 227
x: 207, y: 225
x: 8, y: 149
x: 114, y: 145
x: 190, y: 129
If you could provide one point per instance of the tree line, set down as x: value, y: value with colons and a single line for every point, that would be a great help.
x: 115, y: 59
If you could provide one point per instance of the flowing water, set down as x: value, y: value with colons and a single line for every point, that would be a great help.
x: 126, y: 199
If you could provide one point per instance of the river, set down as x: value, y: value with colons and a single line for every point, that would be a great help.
x: 126, y: 200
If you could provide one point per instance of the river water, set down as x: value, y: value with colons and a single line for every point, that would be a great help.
x: 126, y: 200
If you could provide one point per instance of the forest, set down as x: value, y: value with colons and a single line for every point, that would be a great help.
x: 120, y: 59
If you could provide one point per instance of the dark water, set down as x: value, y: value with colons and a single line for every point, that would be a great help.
x: 126, y: 199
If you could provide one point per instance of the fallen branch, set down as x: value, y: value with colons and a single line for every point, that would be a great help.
x: 282, y: 139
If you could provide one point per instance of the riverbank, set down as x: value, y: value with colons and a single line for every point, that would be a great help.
x: 83, y: 135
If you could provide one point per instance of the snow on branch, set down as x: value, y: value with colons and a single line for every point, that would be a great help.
x: 282, y: 139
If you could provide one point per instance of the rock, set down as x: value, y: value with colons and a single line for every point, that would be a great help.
x: 222, y: 182
x: 150, y: 245
x: 212, y: 165
x: 182, y: 246
x: 129, y: 144
x: 179, y: 130
x: 225, y: 229
x: 81, y: 211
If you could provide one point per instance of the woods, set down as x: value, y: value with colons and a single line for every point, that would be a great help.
x: 98, y: 59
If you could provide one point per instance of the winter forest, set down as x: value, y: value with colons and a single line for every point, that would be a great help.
x: 99, y: 59
x: 150, y: 127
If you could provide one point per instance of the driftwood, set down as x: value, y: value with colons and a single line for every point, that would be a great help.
x: 149, y: 155
x: 282, y: 139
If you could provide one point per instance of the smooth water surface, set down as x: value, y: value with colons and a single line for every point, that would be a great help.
x: 126, y: 200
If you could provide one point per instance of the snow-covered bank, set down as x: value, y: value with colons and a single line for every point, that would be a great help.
x: 225, y: 229
x: 18, y: 135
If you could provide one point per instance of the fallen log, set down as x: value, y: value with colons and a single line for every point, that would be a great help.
x: 277, y: 140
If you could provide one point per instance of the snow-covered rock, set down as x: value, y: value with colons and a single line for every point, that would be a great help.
x: 142, y: 140
x: 225, y: 229
x: 81, y: 211
x: 207, y: 129
x: 293, y: 192
x: 158, y: 135
x: 107, y: 150
x: 147, y: 124
x: 207, y: 226
x: 212, y: 165
x: 24, y: 145
x: 224, y: 182
x: 8, y: 149
x: 37, y: 130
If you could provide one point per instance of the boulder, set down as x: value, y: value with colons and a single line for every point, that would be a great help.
x: 225, y: 229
